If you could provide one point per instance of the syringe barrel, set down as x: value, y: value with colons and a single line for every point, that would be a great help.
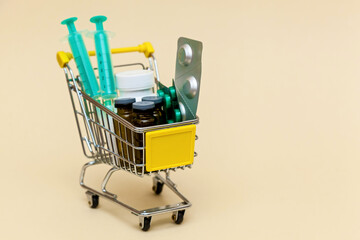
x: 106, y: 73
x: 82, y: 61
x: 103, y: 54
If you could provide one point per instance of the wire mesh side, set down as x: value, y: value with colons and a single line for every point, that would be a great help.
x: 116, y: 144
x: 109, y: 138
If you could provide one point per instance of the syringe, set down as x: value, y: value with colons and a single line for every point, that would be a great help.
x: 82, y: 60
x: 105, y: 68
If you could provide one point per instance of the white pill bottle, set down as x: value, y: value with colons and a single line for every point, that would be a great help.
x: 135, y: 84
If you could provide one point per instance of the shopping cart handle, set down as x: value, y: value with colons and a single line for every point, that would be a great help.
x: 64, y: 58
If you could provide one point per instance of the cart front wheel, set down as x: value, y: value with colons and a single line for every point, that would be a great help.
x: 145, y: 224
x: 178, y: 217
x: 158, y: 187
x: 93, y: 199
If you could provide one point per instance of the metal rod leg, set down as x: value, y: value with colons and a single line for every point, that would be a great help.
x: 169, y: 180
x: 170, y: 184
x: 105, y: 181
x: 83, y: 170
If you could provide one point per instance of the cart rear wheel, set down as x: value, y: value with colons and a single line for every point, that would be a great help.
x: 93, y: 199
x: 145, y: 225
x: 178, y: 217
x: 158, y: 187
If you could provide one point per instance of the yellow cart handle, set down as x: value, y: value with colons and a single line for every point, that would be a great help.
x: 64, y: 58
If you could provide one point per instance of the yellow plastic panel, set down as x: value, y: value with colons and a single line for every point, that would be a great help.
x: 63, y: 58
x: 169, y: 148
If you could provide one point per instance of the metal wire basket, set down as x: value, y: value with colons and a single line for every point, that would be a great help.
x: 109, y: 139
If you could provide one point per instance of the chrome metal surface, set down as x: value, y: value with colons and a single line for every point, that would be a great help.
x: 141, y: 213
x: 89, y: 197
x: 106, y: 180
x: 106, y: 138
x: 96, y: 127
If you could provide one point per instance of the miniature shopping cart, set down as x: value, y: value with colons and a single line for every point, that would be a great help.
x: 107, y: 138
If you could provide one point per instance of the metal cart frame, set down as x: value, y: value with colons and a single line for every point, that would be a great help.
x: 102, y: 144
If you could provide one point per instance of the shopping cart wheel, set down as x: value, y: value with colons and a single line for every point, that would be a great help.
x: 93, y: 199
x: 145, y: 223
x: 178, y: 216
x: 157, y: 187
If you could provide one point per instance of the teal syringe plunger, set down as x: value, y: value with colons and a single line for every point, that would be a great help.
x: 82, y: 60
x: 105, y: 68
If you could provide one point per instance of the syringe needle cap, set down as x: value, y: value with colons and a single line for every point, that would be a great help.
x: 70, y: 24
x: 98, y: 20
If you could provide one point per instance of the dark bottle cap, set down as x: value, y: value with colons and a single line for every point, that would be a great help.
x: 154, y: 99
x: 143, y: 106
x: 123, y: 101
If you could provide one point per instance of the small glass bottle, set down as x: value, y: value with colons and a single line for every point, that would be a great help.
x: 158, y: 113
x: 142, y: 117
x: 124, y: 110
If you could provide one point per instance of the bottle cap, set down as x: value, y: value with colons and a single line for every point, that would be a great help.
x: 123, y: 101
x: 154, y: 99
x: 143, y: 106
x: 135, y: 80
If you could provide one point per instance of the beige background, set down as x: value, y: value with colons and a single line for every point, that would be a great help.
x: 279, y: 133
